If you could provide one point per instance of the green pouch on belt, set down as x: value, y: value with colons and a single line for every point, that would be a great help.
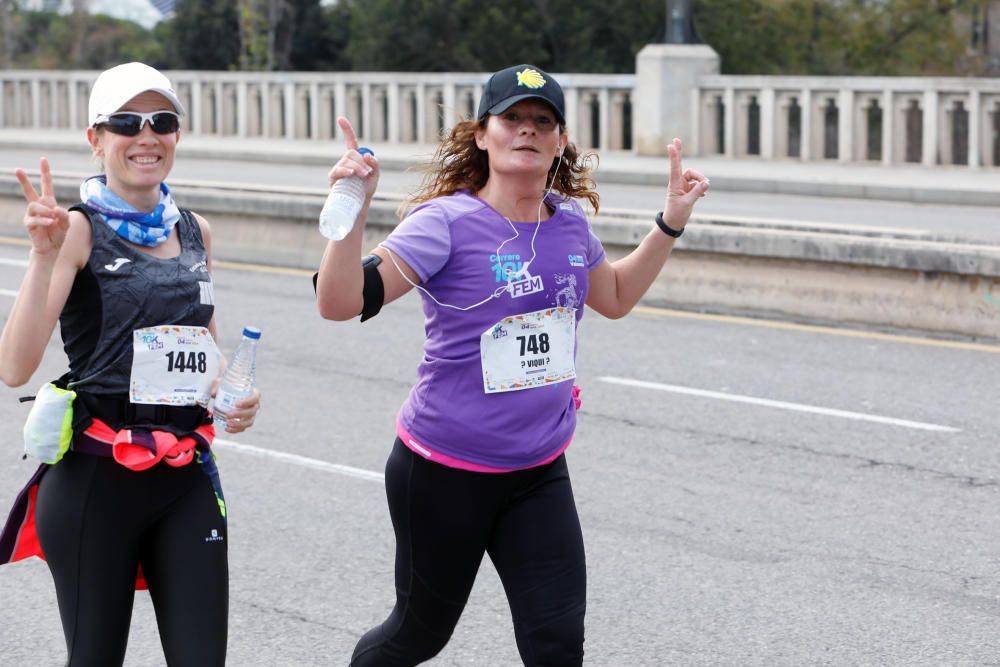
x: 48, y: 431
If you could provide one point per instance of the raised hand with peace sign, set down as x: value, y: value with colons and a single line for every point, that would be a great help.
x: 46, y: 221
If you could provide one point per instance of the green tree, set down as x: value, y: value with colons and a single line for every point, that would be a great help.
x: 320, y: 39
x: 834, y: 37
x: 466, y: 35
x: 204, y: 35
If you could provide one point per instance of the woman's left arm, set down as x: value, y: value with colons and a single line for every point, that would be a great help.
x: 245, y: 411
x: 616, y: 287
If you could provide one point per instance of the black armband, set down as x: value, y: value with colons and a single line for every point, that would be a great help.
x: 373, y: 294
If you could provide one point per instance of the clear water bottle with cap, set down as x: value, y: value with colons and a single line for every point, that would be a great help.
x: 343, y: 204
x: 238, y: 380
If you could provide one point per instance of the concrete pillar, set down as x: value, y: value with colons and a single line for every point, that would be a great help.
x: 946, y: 120
x: 377, y: 115
x: 340, y: 107
x: 301, y: 129
x: 290, y: 111
x: 55, y: 103
x: 218, y: 119
x: 270, y: 104
x: 355, y: 109
x: 767, y: 123
x: 450, y: 96
x: 665, y: 75
x: 572, y: 100
x: 17, y: 103
x: 845, y: 123
x: 709, y: 123
x: 366, y: 111
x: 741, y: 123
x: 36, y: 103
x: 196, y: 109
x: 930, y: 143
x: 395, y: 112
x: 587, y: 137
x: 616, y: 124
x: 324, y: 98
x: 782, y: 104
x: 477, y: 94
x: 975, y: 121
x: 729, y: 122
x: 696, y: 144
x: 603, y: 119
x: 407, y: 115
x: 434, y: 101
x: 901, y: 107
x: 255, y: 110
x: 421, y: 99
x: 72, y: 100
x: 805, y: 138
x: 242, y: 110
x: 314, y: 111
x: 888, y: 127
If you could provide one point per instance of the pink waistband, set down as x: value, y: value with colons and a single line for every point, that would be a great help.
x: 452, y: 462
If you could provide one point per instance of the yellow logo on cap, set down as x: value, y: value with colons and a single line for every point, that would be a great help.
x: 530, y: 78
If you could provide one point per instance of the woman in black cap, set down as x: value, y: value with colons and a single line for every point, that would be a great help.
x: 505, y: 260
x: 128, y: 494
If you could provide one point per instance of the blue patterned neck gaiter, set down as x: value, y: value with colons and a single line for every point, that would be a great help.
x: 146, y: 229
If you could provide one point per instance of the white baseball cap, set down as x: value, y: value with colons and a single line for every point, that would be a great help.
x: 116, y: 86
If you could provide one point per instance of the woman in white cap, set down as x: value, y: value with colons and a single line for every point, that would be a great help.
x: 505, y: 260
x: 130, y: 497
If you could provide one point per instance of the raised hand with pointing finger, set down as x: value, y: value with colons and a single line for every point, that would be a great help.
x: 46, y: 221
x: 354, y: 163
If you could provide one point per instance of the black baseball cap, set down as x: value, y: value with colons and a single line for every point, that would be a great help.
x: 521, y: 82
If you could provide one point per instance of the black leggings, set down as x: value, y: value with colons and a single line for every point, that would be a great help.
x: 445, y: 519
x: 97, y: 521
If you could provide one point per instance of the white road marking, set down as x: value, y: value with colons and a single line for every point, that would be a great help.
x: 303, y: 461
x: 14, y: 262
x: 797, y: 407
x: 8, y: 292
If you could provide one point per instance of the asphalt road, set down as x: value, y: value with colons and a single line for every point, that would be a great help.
x: 960, y: 222
x: 751, y: 493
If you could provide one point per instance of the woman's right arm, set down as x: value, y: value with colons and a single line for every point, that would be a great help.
x: 60, y: 246
x: 340, y: 284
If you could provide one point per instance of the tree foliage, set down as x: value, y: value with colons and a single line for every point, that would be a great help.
x: 204, y: 35
x: 870, y: 37
x: 48, y: 41
x: 467, y: 35
x: 864, y: 37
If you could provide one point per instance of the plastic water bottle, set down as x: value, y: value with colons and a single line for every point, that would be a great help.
x: 343, y: 204
x: 238, y: 380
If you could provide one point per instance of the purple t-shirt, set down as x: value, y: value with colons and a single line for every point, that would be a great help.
x: 452, y: 243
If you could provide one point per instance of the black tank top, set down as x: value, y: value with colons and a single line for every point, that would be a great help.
x: 122, y: 289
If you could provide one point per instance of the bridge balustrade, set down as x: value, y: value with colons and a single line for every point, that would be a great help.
x: 882, y: 120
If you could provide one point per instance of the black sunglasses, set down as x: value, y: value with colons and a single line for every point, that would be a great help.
x: 129, y: 123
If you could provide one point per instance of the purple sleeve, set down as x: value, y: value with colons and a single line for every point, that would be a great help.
x: 422, y: 240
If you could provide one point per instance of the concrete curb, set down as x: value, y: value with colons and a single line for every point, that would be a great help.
x: 627, y: 228
x: 803, y: 272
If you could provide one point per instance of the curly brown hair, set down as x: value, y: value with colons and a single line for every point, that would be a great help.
x: 459, y: 164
